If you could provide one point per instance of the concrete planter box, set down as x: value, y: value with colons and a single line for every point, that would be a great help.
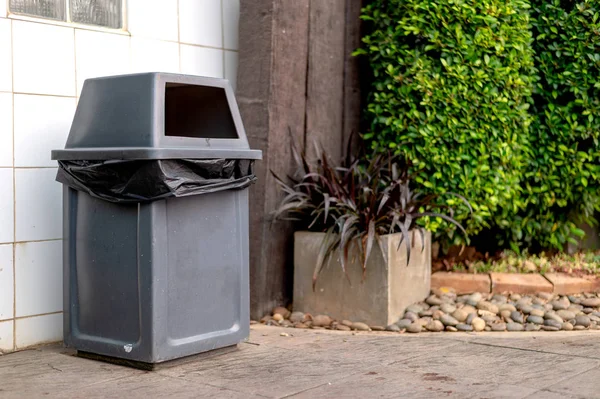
x: 378, y: 300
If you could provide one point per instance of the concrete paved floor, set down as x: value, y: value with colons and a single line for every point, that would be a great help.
x: 332, y: 364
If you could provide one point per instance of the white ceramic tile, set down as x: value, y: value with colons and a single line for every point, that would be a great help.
x: 38, y: 330
x: 3, y: 10
x: 5, y: 54
x: 43, y: 59
x: 6, y: 129
x: 38, y: 278
x: 201, y: 61
x: 6, y: 336
x: 38, y: 200
x: 6, y: 283
x: 42, y: 124
x: 100, y: 54
x: 231, y: 22
x: 200, y: 22
x: 155, y: 19
x: 231, y: 66
x: 154, y: 56
x: 6, y: 206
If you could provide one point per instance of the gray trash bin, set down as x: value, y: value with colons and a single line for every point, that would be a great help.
x: 155, y: 271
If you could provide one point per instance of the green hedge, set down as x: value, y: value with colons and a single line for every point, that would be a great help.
x: 562, y: 178
x: 494, y: 106
x: 451, y: 88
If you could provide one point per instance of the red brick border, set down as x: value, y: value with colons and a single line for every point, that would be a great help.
x: 558, y: 283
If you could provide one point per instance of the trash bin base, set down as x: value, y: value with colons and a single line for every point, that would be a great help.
x: 158, y: 366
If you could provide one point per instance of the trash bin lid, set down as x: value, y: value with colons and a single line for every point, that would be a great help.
x: 156, y: 116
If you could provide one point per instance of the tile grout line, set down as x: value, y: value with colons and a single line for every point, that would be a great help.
x: 530, y: 350
x: 549, y: 388
x: 33, y: 315
x: 14, y: 247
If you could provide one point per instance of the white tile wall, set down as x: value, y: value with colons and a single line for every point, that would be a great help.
x: 38, y: 329
x: 231, y: 21
x: 6, y: 336
x: 6, y: 283
x: 100, y: 54
x: 41, y: 123
x: 38, y: 278
x: 43, y: 59
x: 200, y: 22
x: 201, y: 61
x: 7, y: 217
x: 231, y: 63
x: 42, y: 70
x: 156, y: 19
x: 6, y: 129
x: 5, y: 55
x: 153, y: 55
x: 38, y: 205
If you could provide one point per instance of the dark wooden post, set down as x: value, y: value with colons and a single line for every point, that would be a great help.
x: 294, y: 66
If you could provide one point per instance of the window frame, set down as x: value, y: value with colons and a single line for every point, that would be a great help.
x: 68, y: 23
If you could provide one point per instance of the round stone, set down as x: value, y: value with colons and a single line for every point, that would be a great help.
x: 505, y: 313
x: 462, y: 299
x: 526, y: 309
x: 415, y: 308
x: 426, y: 313
x: 404, y: 323
x: 487, y: 328
x: 448, y: 308
x: 515, y: 297
x: 470, y: 318
x: 347, y: 323
x: 538, y: 306
x: 535, y: 319
x: 532, y: 327
x: 414, y: 328
x: 302, y: 325
x: 517, y: 317
x: 321, y: 321
x: 377, y: 328
x: 566, y: 326
x: 437, y: 314
x: 579, y: 328
x: 574, y: 299
x: 423, y: 321
x: 588, y: 310
x: 282, y: 311
x: 474, y: 299
x: 514, y: 327
x: 582, y: 320
x: 460, y: 315
x: 433, y: 300
x: 277, y: 317
x: 548, y: 306
x: 464, y: 327
x: 566, y: 314
x: 342, y: 327
x: 550, y: 328
x: 507, y: 306
x: 499, y: 298
x: 545, y: 296
x: 594, y: 318
x: 435, y: 326
x: 538, y: 301
x: 393, y: 328
x: 360, y: 326
x: 451, y: 329
x: 448, y: 320
x: 490, y: 319
x: 498, y: 327
x: 537, y: 312
x: 560, y: 304
x: 553, y: 316
x: 469, y: 309
x: 411, y: 316
x: 478, y: 324
x: 482, y: 313
x: 553, y: 323
x: 297, y: 317
x: 575, y: 308
x: 591, y: 302
x: 488, y: 306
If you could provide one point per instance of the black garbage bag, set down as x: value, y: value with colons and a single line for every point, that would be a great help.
x: 151, y: 180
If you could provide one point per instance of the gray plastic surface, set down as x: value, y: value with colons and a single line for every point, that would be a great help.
x: 157, y: 281
x: 156, y: 116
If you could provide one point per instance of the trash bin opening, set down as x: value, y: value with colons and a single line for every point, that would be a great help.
x: 198, y: 112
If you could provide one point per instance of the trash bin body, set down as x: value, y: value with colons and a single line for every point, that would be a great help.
x: 155, y: 280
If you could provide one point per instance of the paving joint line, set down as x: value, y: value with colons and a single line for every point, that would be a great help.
x: 532, y: 350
